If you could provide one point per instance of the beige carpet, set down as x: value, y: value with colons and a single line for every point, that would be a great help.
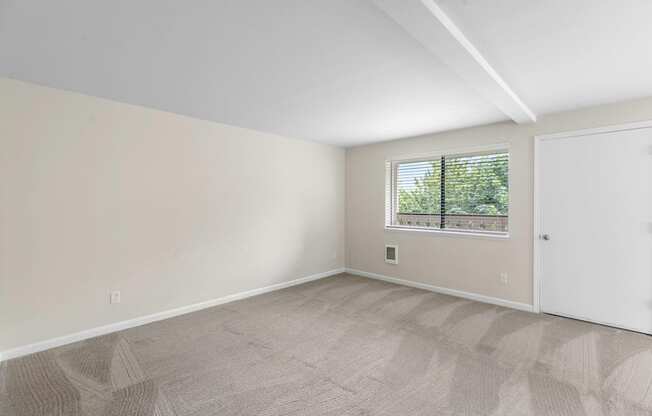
x: 341, y: 346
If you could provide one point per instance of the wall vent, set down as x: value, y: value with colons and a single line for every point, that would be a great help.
x: 391, y: 254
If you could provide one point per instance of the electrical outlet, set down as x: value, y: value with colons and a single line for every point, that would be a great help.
x: 504, y: 278
x: 115, y: 297
x: 334, y: 255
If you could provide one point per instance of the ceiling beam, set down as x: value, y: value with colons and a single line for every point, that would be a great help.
x: 430, y: 25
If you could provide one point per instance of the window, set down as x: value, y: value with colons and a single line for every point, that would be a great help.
x: 466, y: 192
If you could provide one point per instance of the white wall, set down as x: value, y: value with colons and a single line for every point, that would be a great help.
x: 98, y: 196
x: 462, y: 263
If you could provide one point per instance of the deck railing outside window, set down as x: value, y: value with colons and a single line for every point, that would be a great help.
x: 493, y: 223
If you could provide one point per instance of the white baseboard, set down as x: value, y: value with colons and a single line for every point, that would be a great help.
x: 445, y: 291
x: 119, y: 326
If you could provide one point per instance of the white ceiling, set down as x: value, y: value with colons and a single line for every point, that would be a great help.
x: 335, y: 71
x: 563, y: 54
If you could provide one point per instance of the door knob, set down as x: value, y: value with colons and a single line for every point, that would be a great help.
x: 545, y: 237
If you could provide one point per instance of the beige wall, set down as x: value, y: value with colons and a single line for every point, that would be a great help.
x: 98, y: 196
x: 461, y: 262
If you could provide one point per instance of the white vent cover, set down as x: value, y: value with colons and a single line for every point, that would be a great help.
x: 391, y: 254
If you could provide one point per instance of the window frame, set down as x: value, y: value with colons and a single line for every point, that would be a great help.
x: 391, y: 194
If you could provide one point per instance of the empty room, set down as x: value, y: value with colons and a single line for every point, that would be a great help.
x: 326, y: 207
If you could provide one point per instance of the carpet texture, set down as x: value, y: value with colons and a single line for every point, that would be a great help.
x: 344, y: 345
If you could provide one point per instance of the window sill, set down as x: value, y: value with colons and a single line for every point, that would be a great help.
x: 449, y: 233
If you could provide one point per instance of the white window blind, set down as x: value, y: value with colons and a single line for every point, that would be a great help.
x: 459, y: 192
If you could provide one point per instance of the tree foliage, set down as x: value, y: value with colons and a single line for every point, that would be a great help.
x: 473, y: 185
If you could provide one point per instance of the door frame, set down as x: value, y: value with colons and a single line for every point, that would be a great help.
x: 537, y: 276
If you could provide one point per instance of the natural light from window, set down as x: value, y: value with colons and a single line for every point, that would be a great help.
x: 458, y: 192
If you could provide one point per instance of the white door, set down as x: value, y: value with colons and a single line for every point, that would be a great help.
x: 595, y: 227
